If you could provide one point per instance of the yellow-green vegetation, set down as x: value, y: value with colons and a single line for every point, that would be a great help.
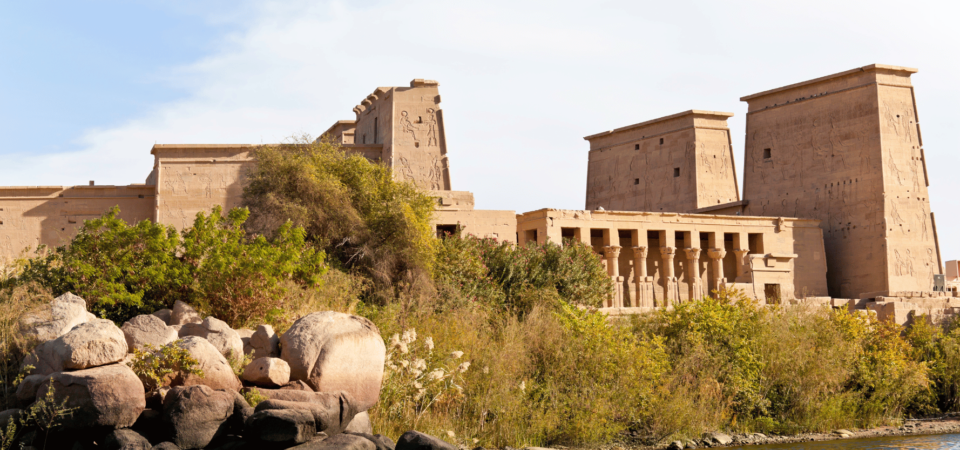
x: 367, y: 222
x: 253, y: 396
x: 489, y: 344
x: 153, y: 365
x: 43, y: 415
x: 239, y: 362
x: 17, y: 303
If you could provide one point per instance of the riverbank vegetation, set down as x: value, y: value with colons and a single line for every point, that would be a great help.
x: 490, y: 344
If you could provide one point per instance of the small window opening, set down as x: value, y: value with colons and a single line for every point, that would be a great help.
x: 636, y: 146
x: 766, y: 153
x: 364, y: 138
x: 661, y: 141
x: 376, y: 129
x: 416, y: 144
x: 676, y: 171
x: 772, y: 293
x: 755, y: 242
x: 446, y: 230
x: 636, y: 181
x: 568, y: 233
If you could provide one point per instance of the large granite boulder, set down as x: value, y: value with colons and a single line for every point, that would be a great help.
x: 183, y: 314
x: 267, y: 372
x: 164, y: 315
x: 332, y: 412
x: 217, y: 372
x: 360, y: 424
x: 197, y: 414
x: 218, y: 333
x: 332, y: 351
x: 147, y: 329
x: 245, y: 334
x: 338, y: 442
x: 66, y: 312
x: 91, y: 344
x: 126, y: 439
x: 415, y: 440
x: 265, y: 342
x: 107, y: 396
x: 290, y: 426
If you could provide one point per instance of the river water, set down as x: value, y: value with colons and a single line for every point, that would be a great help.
x: 930, y: 442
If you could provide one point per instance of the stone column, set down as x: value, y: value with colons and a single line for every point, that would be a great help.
x: 643, y: 282
x: 670, y: 290
x: 742, y: 264
x: 612, y: 255
x: 693, y: 271
x: 716, y: 260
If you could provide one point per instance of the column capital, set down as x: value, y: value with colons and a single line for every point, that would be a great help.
x: 693, y: 254
x: 611, y: 251
x: 668, y: 250
x: 716, y: 253
x: 639, y: 251
x: 741, y: 251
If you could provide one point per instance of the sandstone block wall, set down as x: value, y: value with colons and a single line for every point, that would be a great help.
x: 846, y: 149
x: 678, y: 163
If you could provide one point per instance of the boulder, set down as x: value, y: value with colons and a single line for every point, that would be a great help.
x: 332, y: 351
x: 384, y: 443
x: 296, y: 385
x: 338, y: 442
x: 218, y: 333
x: 126, y: 439
x: 717, y: 438
x: 415, y: 440
x: 245, y: 334
x: 27, y: 390
x: 265, y: 342
x: 150, y: 424
x: 291, y: 426
x: 108, y: 396
x: 331, y: 412
x: 197, y: 414
x: 183, y: 314
x: 269, y: 372
x: 217, y: 372
x: 166, y: 446
x: 241, y: 412
x: 164, y: 315
x: 675, y: 445
x: 147, y: 329
x: 8, y: 415
x: 91, y: 344
x: 360, y: 424
x: 66, y: 312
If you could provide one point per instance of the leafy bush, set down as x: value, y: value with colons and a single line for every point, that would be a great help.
x: 363, y: 218
x: 123, y: 271
x: 153, y: 365
x: 253, y: 396
x: 44, y: 415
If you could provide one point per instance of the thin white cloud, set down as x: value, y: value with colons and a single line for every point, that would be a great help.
x: 522, y: 82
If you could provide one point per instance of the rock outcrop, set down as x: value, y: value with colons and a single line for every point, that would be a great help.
x: 147, y: 329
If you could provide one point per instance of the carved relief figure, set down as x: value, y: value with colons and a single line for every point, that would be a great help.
x: 407, y: 127
x: 436, y: 175
x: 206, y: 182
x: 406, y: 173
x: 431, y: 128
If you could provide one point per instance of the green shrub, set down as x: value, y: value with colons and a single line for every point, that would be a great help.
x: 354, y: 208
x: 253, y: 396
x: 153, y: 365
x: 123, y: 271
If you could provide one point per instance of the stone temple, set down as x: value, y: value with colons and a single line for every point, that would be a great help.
x: 834, y: 207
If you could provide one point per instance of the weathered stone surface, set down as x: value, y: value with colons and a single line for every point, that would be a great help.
x: 245, y: 334
x: 296, y: 385
x: 675, y: 445
x: 415, y: 440
x: 66, y: 312
x: 164, y: 315
x: 218, y: 333
x: 338, y: 442
x: 90, y: 344
x: 166, y: 446
x: 27, y: 390
x: 289, y: 426
x: 265, y: 342
x: 147, y: 329
x: 150, y: 424
x: 241, y: 412
x: 126, y: 439
x: 109, y: 395
x: 197, y: 414
x: 183, y: 313
x: 333, y: 351
x: 718, y: 438
x: 331, y: 412
x: 269, y: 372
x: 380, y: 441
x: 360, y: 424
x: 217, y: 372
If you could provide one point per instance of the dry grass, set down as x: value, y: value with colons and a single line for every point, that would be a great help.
x: 15, y: 304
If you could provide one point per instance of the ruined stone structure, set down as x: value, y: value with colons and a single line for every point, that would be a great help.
x: 658, y: 259
x: 834, y: 208
x: 678, y: 163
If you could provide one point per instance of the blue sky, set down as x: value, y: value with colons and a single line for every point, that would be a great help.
x: 86, y: 88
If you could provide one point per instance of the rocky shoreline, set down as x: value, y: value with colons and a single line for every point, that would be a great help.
x: 913, y: 427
